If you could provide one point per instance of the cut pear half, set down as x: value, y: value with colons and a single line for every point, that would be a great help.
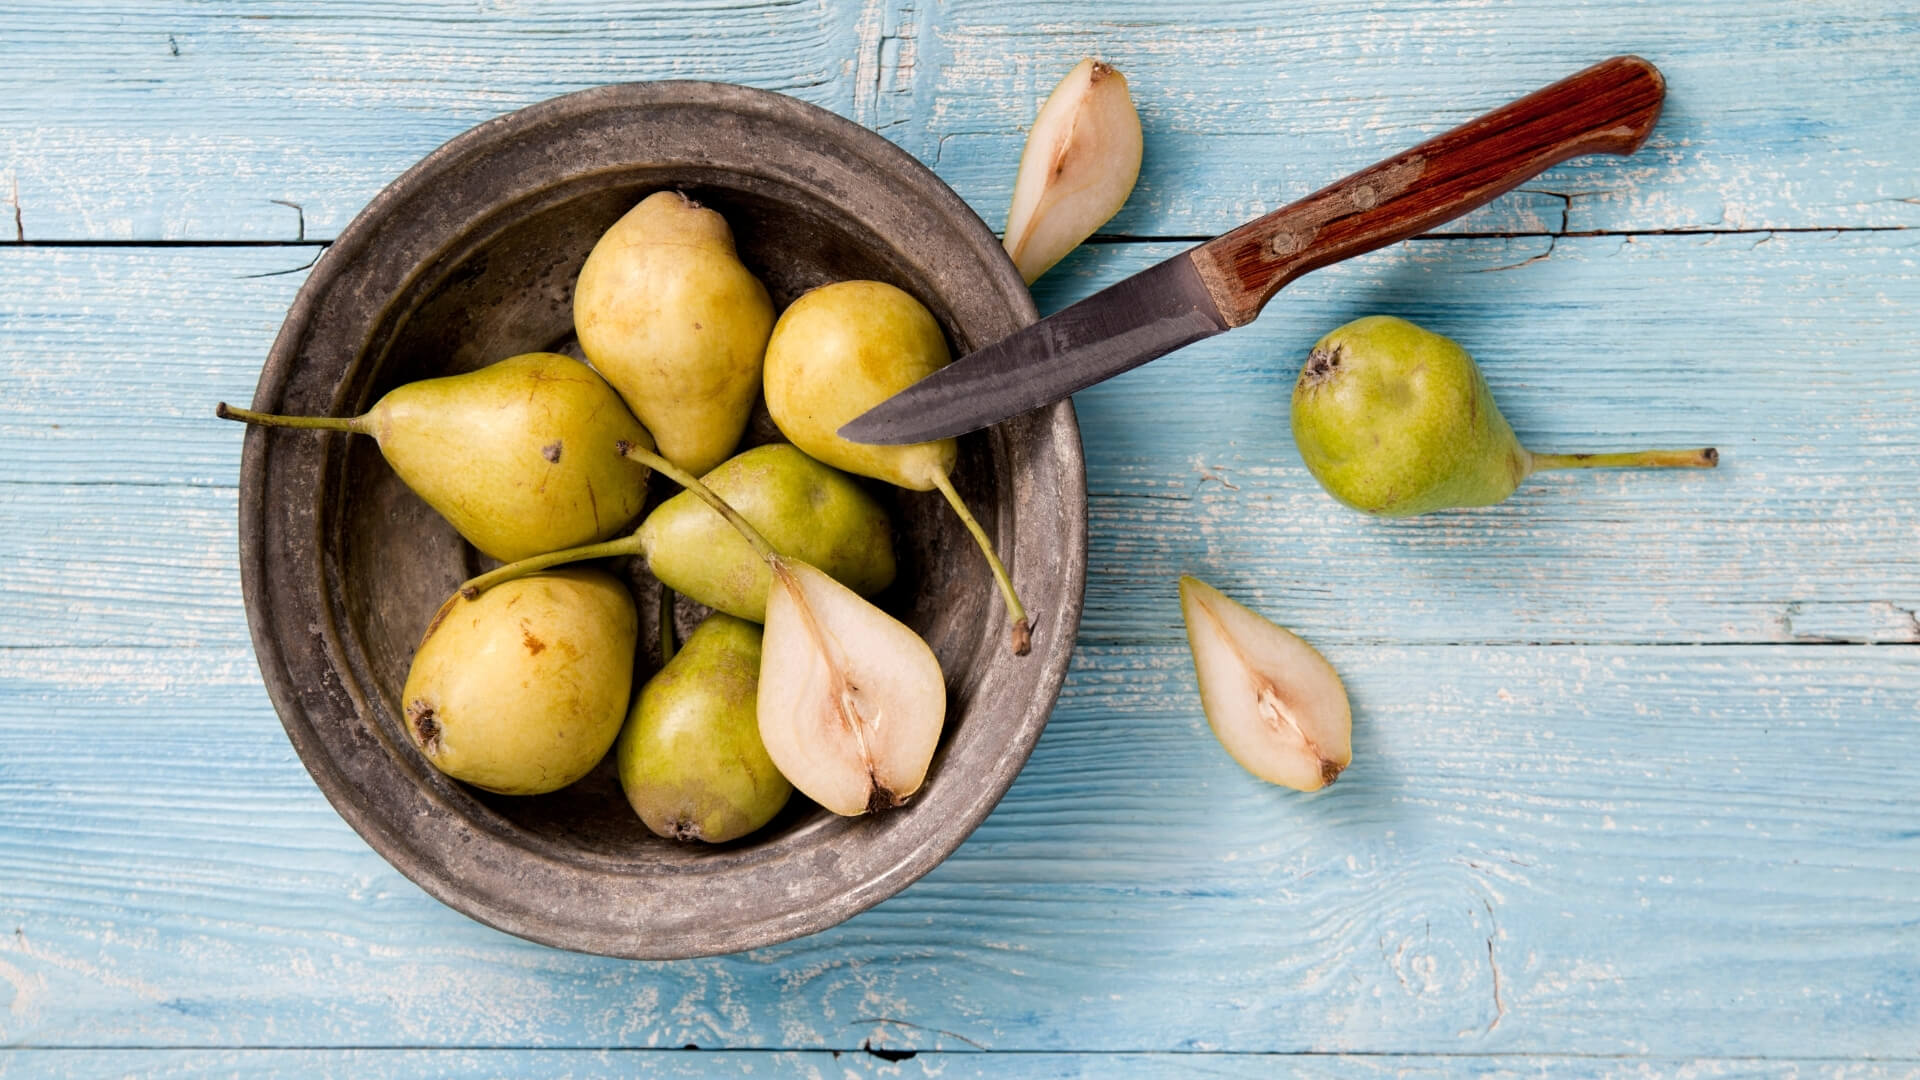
x: 851, y: 701
x: 1273, y: 701
x: 1079, y: 166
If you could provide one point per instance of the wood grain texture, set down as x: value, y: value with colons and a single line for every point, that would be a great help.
x: 182, y: 121
x: 855, y: 1064
x: 1247, y: 107
x: 1552, y: 850
x: 281, y: 119
x: 1786, y: 352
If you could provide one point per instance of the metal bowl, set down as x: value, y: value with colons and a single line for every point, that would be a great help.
x: 471, y: 257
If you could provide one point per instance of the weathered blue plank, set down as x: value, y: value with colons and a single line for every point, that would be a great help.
x: 192, y: 122
x: 1644, y: 851
x: 1249, y: 106
x: 1792, y: 355
x: 854, y: 1064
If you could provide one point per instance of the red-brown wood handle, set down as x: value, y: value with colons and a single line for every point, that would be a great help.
x: 1608, y: 108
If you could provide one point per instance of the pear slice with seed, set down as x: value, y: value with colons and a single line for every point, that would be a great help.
x: 1273, y: 701
x: 851, y: 701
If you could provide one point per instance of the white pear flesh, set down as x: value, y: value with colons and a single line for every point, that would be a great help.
x: 1273, y: 701
x: 1080, y: 164
x: 851, y: 701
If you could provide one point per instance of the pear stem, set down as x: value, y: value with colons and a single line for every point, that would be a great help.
x: 1705, y: 458
x: 324, y: 423
x: 606, y: 549
x: 692, y: 483
x: 666, y: 626
x: 1019, y: 636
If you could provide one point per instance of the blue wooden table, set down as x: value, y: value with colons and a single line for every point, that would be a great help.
x: 1635, y: 787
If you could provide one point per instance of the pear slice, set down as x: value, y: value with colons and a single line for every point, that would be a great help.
x: 851, y: 701
x: 1079, y: 166
x: 1273, y: 701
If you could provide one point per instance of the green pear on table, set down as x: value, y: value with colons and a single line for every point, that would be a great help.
x: 1396, y: 420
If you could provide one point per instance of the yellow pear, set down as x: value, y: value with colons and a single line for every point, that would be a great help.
x: 522, y: 689
x: 517, y: 456
x: 843, y: 348
x: 665, y: 309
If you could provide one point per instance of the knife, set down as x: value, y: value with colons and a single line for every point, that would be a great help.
x: 1608, y: 108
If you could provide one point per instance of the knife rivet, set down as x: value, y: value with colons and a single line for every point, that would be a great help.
x: 1285, y: 243
x: 1363, y: 197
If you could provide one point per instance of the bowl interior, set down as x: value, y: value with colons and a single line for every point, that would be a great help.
x: 512, y: 293
x: 471, y: 257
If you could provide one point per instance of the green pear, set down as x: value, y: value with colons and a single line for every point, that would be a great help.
x: 690, y: 757
x: 522, y: 689
x: 843, y: 348
x: 1395, y: 420
x: 818, y: 515
x: 1272, y: 700
x: 665, y: 309
x: 517, y: 456
x: 804, y: 509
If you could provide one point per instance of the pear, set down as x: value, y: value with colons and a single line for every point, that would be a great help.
x: 513, y: 455
x: 1080, y: 164
x: 802, y: 507
x: 851, y: 700
x: 1272, y: 700
x: 1396, y: 420
x: 690, y: 757
x: 844, y: 348
x: 817, y: 514
x: 522, y: 690
x: 665, y: 309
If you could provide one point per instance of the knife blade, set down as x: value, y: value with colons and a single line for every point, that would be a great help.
x: 1610, y: 108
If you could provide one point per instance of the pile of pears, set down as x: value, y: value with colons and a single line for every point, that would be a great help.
x: 524, y: 679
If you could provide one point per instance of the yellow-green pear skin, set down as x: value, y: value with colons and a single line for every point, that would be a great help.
x: 805, y: 509
x: 838, y: 351
x: 690, y: 756
x: 665, y: 309
x: 518, y: 456
x: 1395, y: 420
x: 522, y: 689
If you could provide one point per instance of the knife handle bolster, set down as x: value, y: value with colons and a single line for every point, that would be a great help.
x: 1610, y: 108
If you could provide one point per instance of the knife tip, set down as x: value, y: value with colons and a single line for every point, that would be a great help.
x: 869, y: 430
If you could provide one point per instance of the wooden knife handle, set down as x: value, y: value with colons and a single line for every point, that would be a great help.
x: 1608, y: 108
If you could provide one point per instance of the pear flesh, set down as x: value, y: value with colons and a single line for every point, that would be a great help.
x: 851, y: 701
x: 690, y: 757
x: 1080, y: 164
x: 522, y: 690
x: 1272, y: 700
x: 1396, y: 420
x: 843, y: 348
x: 803, y: 508
x: 665, y: 309
x: 517, y: 456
